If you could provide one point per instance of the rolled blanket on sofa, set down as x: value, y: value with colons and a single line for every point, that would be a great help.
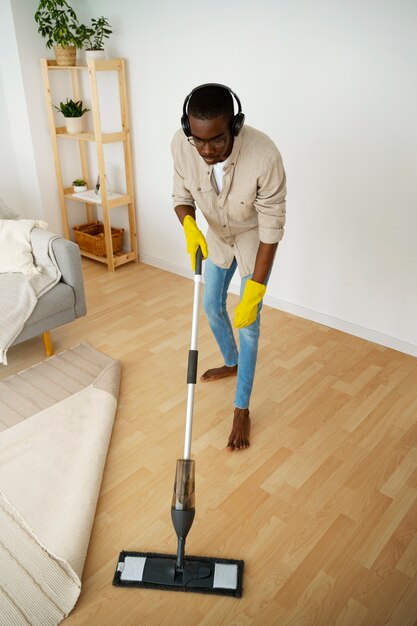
x: 28, y: 269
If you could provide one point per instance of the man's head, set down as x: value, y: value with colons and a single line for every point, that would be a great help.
x: 210, y: 123
x: 210, y: 101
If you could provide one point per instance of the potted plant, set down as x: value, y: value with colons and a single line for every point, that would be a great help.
x: 79, y: 184
x: 58, y: 23
x: 73, y: 112
x: 99, y: 31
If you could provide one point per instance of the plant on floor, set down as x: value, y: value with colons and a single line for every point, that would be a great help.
x: 100, y: 29
x: 59, y: 25
x: 71, y: 108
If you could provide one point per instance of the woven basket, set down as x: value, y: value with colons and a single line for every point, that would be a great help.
x: 90, y: 238
x: 66, y: 55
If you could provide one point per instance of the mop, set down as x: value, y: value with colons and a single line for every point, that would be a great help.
x: 180, y: 572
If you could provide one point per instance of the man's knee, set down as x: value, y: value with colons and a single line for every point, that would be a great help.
x: 253, y: 331
x: 211, y: 309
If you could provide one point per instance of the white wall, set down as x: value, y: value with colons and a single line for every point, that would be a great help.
x: 334, y: 84
x: 28, y: 182
x: 9, y: 181
x: 14, y: 127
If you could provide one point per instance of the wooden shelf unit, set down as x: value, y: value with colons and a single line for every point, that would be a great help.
x: 107, y: 200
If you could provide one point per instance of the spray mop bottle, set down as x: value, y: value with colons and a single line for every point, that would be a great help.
x: 183, y: 499
x: 183, y: 505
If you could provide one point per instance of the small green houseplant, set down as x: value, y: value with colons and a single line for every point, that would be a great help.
x: 96, y: 34
x: 79, y: 184
x: 70, y: 108
x: 59, y: 25
x: 73, y: 112
x: 99, y: 31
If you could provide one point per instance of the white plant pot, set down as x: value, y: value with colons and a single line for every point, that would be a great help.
x: 74, y: 125
x: 79, y: 188
x: 96, y: 55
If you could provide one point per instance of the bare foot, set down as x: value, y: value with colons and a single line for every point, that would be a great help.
x: 239, y: 437
x: 219, y: 372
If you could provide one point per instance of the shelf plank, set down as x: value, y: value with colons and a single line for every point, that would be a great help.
x: 113, y: 199
x: 125, y: 258
x: 99, y: 64
x: 119, y: 200
x: 61, y: 131
x: 105, y: 64
x: 84, y: 136
x: 52, y: 65
x: 119, y: 258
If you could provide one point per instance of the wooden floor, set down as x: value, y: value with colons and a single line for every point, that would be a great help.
x: 322, y: 508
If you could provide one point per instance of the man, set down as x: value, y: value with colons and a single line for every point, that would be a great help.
x: 235, y: 176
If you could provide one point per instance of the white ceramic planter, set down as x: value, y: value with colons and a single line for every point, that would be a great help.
x: 79, y: 188
x: 74, y: 125
x: 97, y: 55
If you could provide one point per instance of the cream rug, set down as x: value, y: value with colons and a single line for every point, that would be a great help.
x: 55, y: 425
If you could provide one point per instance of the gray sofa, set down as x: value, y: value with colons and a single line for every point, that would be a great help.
x: 64, y: 302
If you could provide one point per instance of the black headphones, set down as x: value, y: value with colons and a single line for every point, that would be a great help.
x: 237, y: 121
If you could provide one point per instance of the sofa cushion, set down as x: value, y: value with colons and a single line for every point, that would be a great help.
x: 55, y: 308
x: 15, y: 246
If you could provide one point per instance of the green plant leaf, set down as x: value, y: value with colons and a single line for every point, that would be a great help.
x: 58, y: 24
x: 69, y: 108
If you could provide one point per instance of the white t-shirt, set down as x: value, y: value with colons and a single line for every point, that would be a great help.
x: 218, y: 174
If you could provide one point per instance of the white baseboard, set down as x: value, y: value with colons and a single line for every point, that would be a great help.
x: 347, y: 327
x: 163, y: 265
x: 300, y: 311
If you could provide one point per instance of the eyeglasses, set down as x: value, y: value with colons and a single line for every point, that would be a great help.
x: 213, y: 143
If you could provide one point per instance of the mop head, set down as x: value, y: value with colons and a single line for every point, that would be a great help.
x: 200, y: 574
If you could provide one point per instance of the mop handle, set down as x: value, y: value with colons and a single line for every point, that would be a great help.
x: 193, y: 355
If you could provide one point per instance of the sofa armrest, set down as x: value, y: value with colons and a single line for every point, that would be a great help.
x: 67, y: 255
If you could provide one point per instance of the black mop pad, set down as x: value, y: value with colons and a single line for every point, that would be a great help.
x: 199, y: 574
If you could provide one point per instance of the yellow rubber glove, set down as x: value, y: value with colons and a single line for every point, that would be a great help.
x: 247, y: 308
x: 194, y: 238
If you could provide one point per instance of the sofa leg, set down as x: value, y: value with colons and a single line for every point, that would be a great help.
x: 47, y: 342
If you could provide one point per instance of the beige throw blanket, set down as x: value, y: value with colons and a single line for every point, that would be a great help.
x: 55, y: 420
x: 19, y: 292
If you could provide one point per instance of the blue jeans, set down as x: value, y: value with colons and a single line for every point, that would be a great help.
x: 216, y: 284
